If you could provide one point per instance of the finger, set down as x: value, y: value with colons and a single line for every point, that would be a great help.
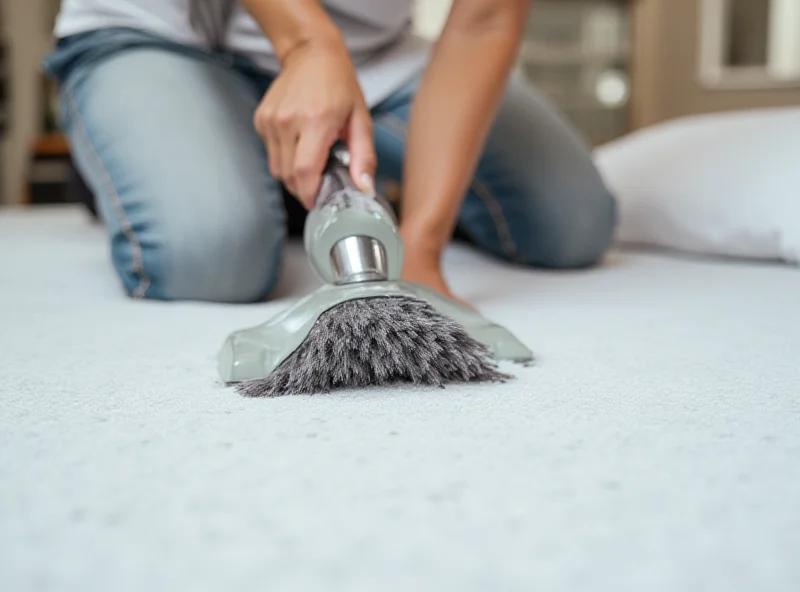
x: 274, y: 154
x: 288, y: 148
x: 286, y: 137
x: 262, y: 121
x: 361, y: 143
x: 312, y: 153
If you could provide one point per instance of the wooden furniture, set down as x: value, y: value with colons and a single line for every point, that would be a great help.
x: 674, y: 70
x: 52, y: 144
x: 677, y: 57
x: 50, y: 174
x: 578, y: 53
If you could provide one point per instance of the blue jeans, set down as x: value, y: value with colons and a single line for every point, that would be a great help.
x: 163, y: 135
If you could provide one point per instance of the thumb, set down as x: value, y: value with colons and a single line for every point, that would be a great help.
x: 361, y: 144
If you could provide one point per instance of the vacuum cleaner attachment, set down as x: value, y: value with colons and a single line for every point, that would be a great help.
x: 365, y: 327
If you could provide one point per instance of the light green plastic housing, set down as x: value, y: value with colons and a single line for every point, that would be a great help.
x: 254, y: 353
x: 342, y: 211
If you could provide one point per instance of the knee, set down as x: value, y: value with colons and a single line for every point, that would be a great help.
x: 223, y: 267
x: 213, y: 263
x: 576, y: 233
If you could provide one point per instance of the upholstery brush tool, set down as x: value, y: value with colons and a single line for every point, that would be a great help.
x: 364, y: 327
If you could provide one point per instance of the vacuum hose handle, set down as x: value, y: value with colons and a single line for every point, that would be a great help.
x: 350, y: 235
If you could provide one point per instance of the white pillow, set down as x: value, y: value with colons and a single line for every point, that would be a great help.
x: 720, y: 184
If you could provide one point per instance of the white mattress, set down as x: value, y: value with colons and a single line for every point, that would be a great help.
x: 655, y: 446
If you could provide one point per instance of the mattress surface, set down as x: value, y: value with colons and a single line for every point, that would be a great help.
x: 654, y: 446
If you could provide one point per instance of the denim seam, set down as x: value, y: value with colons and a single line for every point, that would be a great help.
x: 480, y: 189
x: 137, y: 265
x: 499, y: 218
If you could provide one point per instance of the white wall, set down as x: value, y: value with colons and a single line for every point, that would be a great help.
x: 429, y: 16
x: 26, y: 29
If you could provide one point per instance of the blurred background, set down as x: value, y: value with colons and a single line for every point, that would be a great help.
x: 613, y: 66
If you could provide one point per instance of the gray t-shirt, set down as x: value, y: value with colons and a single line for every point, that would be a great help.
x: 377, y: 33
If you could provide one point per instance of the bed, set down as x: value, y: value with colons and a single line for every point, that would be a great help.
x: 655, y: 444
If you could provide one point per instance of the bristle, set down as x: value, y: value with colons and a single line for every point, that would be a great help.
x: 378, y: 342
